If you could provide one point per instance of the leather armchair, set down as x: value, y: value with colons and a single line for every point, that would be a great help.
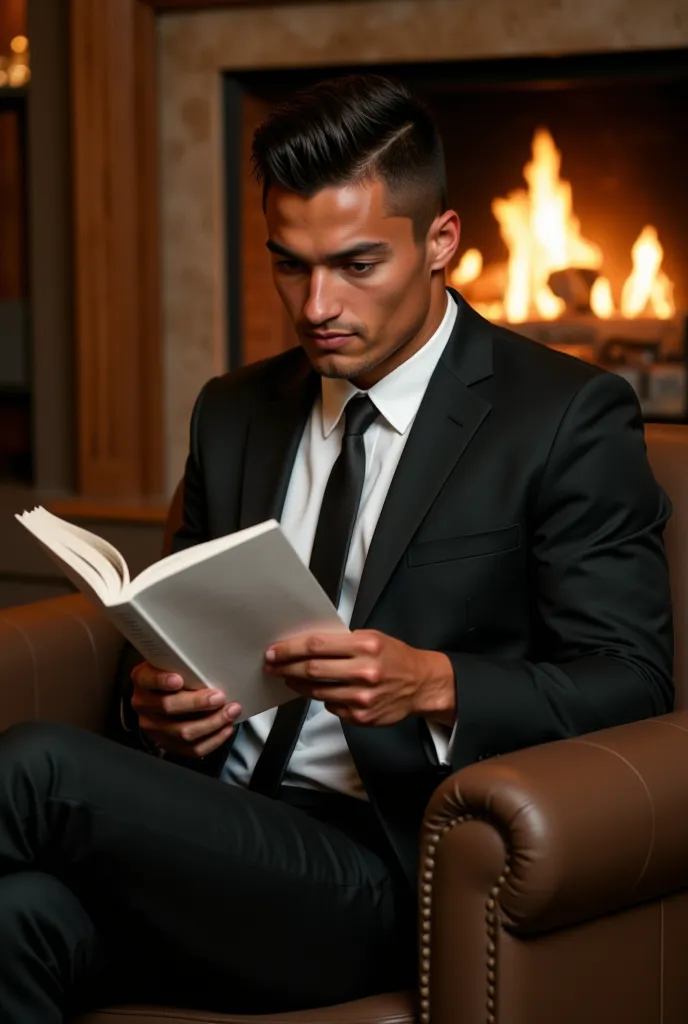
x: 554, y: 880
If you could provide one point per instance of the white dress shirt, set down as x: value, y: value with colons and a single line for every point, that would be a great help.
x: 321, y: 758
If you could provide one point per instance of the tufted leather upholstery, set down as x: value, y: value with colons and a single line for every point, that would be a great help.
x: 554, y: 882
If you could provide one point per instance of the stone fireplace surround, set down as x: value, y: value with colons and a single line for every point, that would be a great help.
x: 196, y: 47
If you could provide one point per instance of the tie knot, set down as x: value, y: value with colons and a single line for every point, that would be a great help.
x: 360, y: 412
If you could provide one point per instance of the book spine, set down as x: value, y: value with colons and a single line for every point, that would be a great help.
x: 151, y: 643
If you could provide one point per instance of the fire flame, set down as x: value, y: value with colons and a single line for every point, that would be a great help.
x: 543, y: 236
x: 601, y: 298
x: 647, y: 284
x: 470, y: 267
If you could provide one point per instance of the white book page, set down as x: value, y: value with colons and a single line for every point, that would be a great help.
x: 73, y: 548
x: 80, y: 572
x: 222, y: 613
x: 175, y: 563
x: 98, y: 544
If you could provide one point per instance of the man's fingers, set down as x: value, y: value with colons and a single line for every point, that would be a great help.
x: 184, y: 702
x: 201, y: 748
x: 338, y: 644
x: 179, y: 720
x: 361, y: 671
x: 148, y: 677
x: 213, y: 742
x: 186, y: 732
x: 342, y: 696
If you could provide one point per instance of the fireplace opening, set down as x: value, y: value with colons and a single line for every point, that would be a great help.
x: 569, y: 178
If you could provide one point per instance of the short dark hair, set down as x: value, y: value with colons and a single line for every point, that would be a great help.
x: 345, y: 130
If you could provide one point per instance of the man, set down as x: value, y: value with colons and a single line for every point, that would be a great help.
x: 482, y: 511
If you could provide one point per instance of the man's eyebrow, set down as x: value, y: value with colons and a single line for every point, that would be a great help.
x: 360, y: 249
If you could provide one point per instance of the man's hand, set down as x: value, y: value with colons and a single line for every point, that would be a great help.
x: 191, y: 723
x: 366, y: 677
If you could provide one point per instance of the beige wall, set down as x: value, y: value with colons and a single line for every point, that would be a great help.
x: 195, y: 48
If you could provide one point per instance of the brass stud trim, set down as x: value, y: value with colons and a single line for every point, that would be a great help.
x: 490, y: 922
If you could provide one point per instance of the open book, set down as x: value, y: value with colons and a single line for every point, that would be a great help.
x: 209, y: 612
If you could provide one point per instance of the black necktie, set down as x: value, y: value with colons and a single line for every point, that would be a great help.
x: 328, y: 562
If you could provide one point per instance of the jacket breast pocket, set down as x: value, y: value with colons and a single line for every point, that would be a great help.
x: 470, y: 545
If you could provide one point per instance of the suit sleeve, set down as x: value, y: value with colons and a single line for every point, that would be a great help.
x: 602, y: 626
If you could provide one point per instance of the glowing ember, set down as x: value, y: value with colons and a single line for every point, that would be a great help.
x: 543, y: 236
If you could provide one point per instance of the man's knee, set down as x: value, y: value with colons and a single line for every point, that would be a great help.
x: 36, y: 900
x: 41, y: 920
x: 24, y: 892
x: 25, y: 741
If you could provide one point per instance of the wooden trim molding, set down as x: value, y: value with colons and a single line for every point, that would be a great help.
x: 117, y: 293
x: 178, y: 5
x: 154, y: 513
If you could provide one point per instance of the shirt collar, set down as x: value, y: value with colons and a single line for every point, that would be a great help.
x: 398, y: 395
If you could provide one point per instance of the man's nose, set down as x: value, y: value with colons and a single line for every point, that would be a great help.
x: 322, y: 303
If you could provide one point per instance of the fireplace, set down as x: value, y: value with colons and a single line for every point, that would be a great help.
x: 568, y: 176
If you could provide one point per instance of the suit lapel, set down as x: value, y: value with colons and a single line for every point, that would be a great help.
x: 275, y: 429
x: 447, y: 420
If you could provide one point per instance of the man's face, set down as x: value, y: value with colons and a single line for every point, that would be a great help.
x: 355, y: 282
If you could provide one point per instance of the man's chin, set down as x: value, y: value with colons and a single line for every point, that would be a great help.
x: 332, y: 364
x: 337, y: 367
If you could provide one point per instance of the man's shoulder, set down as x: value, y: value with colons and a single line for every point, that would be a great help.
x: 532, y: 362
x: 540, y: 384
x: 263, y: 379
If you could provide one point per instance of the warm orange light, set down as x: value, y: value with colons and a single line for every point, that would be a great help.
x: 543, y: 236
x: 601, y: 299
x: 647, y: 288
x: 470, y: 267
x: 19, y: 44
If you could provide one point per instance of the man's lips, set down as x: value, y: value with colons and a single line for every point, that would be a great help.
x: 329, y: 339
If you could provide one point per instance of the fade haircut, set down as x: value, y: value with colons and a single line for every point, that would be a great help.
x: 353, y: 129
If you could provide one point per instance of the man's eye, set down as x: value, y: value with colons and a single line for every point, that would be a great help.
x: 289, y: 265
x: 360, y: 268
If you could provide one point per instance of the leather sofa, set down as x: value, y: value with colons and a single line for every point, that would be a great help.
x: 553, y: 880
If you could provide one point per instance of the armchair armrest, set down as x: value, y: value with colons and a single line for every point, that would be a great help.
x: 544, y: 839
x: 58, y: 660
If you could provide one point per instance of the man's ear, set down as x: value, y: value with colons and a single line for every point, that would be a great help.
x: 443, y: 239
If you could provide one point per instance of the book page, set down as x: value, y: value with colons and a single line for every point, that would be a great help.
x: 73, y: 547
x: 180, y: 560
x: 222, y: 613
x: 78, y: 570
x: 99, y: 544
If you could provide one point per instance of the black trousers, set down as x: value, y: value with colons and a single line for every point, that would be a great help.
x: 124, y: 877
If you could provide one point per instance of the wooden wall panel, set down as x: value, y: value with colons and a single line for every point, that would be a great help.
x: 119, y: 366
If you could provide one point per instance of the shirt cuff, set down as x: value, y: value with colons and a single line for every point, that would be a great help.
x: 443, y: 740
x: 121, y: 716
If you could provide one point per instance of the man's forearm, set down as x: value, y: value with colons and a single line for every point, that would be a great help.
x: 508, y: 705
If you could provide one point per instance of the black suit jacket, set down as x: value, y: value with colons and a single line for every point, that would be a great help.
x: 521, y: 535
